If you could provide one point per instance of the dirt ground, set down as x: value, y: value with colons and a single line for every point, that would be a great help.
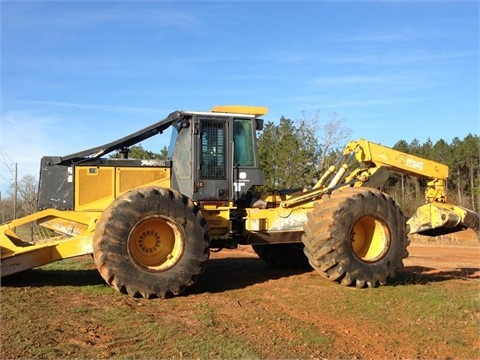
x: 454, y: 255
x: 222, y: 299
x: 457, y: 254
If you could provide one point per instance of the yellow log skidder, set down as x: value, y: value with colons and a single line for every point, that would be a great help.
x: 151, y: 224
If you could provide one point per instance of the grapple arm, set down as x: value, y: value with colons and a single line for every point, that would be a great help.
x: 435, y: 217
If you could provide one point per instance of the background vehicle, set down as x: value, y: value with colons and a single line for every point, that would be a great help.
x: 151, y: 224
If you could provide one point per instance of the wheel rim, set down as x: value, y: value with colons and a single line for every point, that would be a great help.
x: 156, y: 243
x: 370, y: 239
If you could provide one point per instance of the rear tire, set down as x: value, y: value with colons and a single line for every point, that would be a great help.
x: 151, y: 242
x: 356, y: 237
x: 283, y: 256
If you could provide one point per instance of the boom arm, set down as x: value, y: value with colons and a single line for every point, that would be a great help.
x: 376, y: 157
x: 126, y: 141
x: 435, y: 217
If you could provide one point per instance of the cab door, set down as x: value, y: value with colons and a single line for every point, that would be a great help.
x: 213, y: 175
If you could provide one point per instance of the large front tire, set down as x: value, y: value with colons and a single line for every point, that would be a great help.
x: 151, y: 242
x: 356, y: 237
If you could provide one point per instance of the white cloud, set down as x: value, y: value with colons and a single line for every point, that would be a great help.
x: 116, y: 108
x: 77, y: 16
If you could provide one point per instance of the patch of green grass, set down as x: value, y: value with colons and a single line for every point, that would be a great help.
x: 161, y: 337
x: 214, y: 346
x: 205, y: 315
x: 77, y: 263
x: 312, y: 338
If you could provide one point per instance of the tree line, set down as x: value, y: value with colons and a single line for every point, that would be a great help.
x: 293, y: 154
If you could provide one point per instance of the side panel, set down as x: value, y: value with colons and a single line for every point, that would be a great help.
x: 55, y: 189
x: 129, y: 178
x: 94, y: 187
x: 93, y: 184
x: 97, y: 186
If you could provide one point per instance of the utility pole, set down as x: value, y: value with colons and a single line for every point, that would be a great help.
x: 16, y: 192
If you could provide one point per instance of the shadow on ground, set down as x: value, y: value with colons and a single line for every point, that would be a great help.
x: 220, y: 275
x: 238, y: 273
x: 41, y: 277
x: 421, y: 275
x: 229, y: 273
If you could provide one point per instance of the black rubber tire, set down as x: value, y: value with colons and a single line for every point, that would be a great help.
x: 125, y: 227
x: 332, y: 234
x: 283, y: 256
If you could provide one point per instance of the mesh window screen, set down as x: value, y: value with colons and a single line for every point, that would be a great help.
x: 213, y: 150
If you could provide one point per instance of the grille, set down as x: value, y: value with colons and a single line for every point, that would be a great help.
x: 213, y: 150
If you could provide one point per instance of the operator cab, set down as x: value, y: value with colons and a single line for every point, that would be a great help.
x: 214, y: 154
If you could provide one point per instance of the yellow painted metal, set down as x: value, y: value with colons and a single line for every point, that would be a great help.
x: 369, y: 239
x: 376, y: 159
x: 76, y: 230
x: 436, y: 214
x: 276, y: 225
x: 97, y: 186
x: 128, y: 178
x: 435, y: 191
x: 442, y: 218
x: 94, y: 187
x: 259, y: 219
x: 277, y: 219
x: 45, y: 253
x: 303, y: 197
x: 218, y: 219
x: 156, y: 243
x: 368, y: 152
x: 241, y: 109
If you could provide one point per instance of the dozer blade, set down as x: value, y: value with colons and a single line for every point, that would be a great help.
x: 435, y: 219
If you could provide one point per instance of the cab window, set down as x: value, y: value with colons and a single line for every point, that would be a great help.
x: 213, y: 151
x: 243, y: 140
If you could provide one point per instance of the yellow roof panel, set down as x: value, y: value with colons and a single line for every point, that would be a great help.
x: 241, y: 109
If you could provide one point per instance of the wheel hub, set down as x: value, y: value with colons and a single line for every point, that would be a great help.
x: 370, y: 239
x: 156, y: 243
x: 149, y: 242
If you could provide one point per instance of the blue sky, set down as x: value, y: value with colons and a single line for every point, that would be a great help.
x: 79, y: 74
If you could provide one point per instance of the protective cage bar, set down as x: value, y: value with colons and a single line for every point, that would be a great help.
x: 213, y: 152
